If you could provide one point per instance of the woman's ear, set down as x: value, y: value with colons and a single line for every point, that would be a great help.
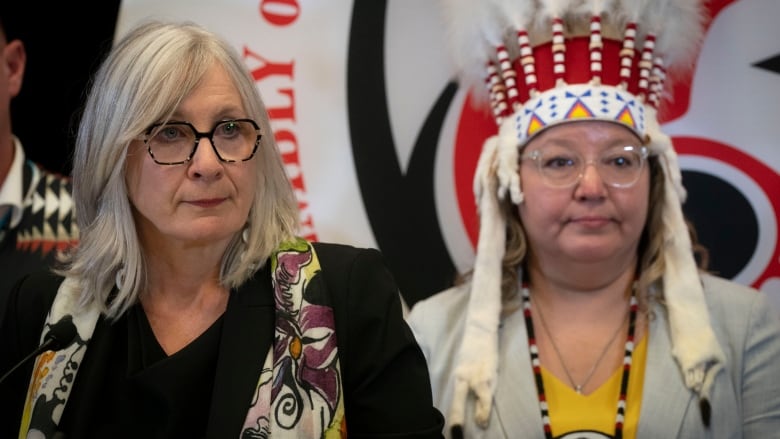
x: 14, y: 61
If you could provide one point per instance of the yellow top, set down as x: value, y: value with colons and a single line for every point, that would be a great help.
x: 571, y: 412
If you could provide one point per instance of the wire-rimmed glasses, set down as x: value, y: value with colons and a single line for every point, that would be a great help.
x: 561, y: 167
x: 174, y: 143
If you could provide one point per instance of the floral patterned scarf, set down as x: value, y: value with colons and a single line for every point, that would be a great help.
x: 299, y: 392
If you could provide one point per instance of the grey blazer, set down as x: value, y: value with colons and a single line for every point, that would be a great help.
x: 745, y: 397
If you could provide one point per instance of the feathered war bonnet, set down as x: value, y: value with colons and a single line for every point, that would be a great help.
x: 540, y: 63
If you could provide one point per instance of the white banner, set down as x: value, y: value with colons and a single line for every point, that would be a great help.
x: 369, y: 123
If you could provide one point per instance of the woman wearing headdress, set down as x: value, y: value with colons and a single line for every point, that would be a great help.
x: 587, y: 313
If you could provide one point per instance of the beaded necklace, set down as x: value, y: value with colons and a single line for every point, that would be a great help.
x: 534, y: 352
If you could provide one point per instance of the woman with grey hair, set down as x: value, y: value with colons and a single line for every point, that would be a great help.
x: 190, y: 308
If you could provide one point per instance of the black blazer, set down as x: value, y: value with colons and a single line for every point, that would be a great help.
x: 385, y: 377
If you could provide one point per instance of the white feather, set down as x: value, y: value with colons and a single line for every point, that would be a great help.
x: 634, y: 9
x: 589, y: 8
x: 554, y: 8
x: 597, y: 7
x: 473, y: 35
x: 620, y: 12
x: 574, y: 10
x: 516, y: 13
x: 680, y: 28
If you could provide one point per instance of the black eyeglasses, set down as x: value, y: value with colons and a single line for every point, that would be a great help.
x: 174, y: 143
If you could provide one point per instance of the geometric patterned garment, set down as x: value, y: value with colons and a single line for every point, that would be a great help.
x: 47, y: 226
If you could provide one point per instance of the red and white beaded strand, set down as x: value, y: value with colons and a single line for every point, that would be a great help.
x: 535, y: 363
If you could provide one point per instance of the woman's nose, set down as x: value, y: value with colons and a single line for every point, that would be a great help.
x: 205, y: 161
x: 590, y: 184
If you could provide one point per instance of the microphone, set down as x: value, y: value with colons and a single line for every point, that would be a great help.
x: 60, y: 336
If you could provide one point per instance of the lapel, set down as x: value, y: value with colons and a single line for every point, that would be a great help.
x: 516, y: 401
x: 665, y: 399
x: 247, y: 334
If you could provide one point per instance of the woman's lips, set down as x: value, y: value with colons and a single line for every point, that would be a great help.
x: 591, y: 221
x: 209, y: 202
